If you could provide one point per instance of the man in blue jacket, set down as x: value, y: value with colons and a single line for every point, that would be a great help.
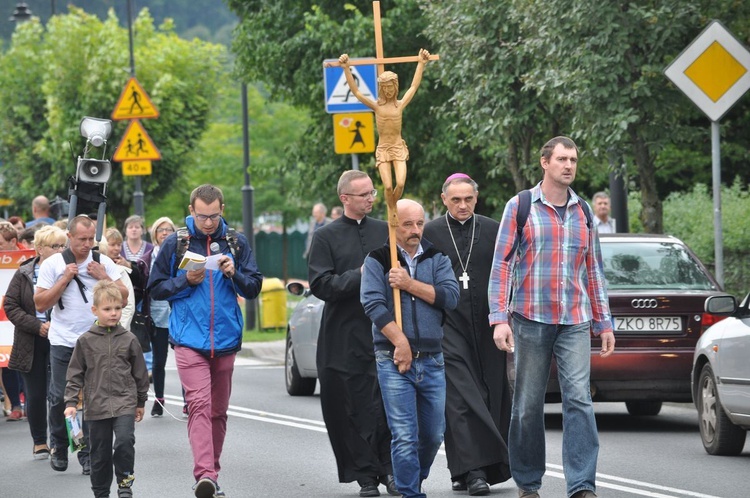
x: 411, y: 370
x: 205, y: 326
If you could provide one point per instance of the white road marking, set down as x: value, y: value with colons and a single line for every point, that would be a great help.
x: 632, y: 486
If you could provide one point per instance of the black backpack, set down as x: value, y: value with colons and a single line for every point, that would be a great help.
x: 524, y: 207
x: 68, y: 258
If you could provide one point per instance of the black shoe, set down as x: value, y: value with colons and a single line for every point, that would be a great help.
x: 459, y: 484
x: 157, y: 410
x: 124, y: 493
x: 86, y: 468
x: 58, y: 462
x: 369, y: 488
x: 478, y: 487
x: 390, y: 484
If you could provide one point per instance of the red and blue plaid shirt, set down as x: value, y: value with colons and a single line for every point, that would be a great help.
x: 556, y: 274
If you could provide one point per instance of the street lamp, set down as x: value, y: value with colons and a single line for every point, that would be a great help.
x: 21, y: 14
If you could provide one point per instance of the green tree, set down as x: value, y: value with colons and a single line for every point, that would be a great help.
x: 606, y: 61
x: 78, y: 67
x: 485, y: 68
x: 282, y: 44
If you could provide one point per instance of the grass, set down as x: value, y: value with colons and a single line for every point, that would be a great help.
x: 265, y: 335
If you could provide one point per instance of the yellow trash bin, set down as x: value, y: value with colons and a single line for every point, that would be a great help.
x: 272, y: 304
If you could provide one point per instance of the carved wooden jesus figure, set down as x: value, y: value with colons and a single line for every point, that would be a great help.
x: 391, y: 151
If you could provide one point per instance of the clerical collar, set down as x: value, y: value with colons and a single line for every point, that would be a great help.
x: 459, y: 221
x: 352, y: 220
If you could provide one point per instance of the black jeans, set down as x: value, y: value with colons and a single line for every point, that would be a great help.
x: 59, y: 357
x: 160, y: 349
x: 103, y: 457
x: 13, y: 387
x: 36, y: 385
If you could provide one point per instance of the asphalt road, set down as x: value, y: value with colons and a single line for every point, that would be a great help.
x: 277, y: 447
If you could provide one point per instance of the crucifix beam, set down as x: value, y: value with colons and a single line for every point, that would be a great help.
x: 381, y: 61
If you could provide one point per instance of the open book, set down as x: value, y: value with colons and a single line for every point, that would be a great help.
x: 194, y: 261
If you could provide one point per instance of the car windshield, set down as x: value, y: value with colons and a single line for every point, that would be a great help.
x: 652, y: 265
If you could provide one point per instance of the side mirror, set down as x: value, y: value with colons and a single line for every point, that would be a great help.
x: 295, y: 288
x: 721, y: 305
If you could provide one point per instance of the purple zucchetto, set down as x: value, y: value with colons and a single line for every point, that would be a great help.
x: 455, y: 176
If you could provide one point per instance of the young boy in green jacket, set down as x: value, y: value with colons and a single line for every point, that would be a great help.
x: 108, y: 367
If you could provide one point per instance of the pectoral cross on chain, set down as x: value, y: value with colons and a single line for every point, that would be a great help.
x: 464, y: 278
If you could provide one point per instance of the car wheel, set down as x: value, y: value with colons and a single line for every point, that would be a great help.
x: 296, y: 385
x: 719, y: 435
x: 643, y: 408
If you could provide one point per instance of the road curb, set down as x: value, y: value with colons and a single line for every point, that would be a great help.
x: 271, y: 351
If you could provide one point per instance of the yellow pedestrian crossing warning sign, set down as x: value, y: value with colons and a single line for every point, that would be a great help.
x: 136, y: 145
x: 134, y: 103
x: 136, y: 168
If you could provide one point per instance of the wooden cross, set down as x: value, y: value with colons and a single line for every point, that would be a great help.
x: 380, y: 60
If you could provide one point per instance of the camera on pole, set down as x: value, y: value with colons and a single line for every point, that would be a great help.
x: 87, y: 190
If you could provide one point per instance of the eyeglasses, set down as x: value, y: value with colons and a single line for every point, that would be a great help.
x: 371, y: 193
x: 57, y: 246
x: 169, y: 230
x: 205, y: 217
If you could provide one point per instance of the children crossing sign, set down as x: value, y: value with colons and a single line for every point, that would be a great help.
x: 353, y: 133
x: 339, y: 98
x: 136, y: 145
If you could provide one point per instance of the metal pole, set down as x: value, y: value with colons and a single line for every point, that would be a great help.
x: 138, y: 192
x: 247, y: 204
x: 619, y: 196
x: 716, y: 174
x: 355, y: 161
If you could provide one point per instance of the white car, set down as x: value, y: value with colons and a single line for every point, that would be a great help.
x: 721, y: 377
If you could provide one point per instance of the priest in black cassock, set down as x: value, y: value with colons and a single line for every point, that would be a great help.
x: 349, y: 391
x: 478, y: 398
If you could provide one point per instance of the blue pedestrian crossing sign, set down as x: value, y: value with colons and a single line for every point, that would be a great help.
x: 339, y: 98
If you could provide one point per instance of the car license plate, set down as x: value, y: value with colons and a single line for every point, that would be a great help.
x: 648, y: 324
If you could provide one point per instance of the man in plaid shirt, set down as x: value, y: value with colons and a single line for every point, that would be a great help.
x: 558, y: 296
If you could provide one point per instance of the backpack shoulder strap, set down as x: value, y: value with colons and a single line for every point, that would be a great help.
x: 233, y: 241
x: 587, y: 212
x: 522, y: 214
x: 183, y: 241
x: 68, y: 258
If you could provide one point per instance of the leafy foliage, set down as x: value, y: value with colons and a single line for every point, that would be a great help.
x: 283, y: 45
x: 690, y: 217
x: 50, y: 79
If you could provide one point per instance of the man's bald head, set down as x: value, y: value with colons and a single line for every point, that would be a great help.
x: 40, y: 207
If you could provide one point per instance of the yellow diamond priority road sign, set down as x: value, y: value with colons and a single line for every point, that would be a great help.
x: 713, y: 71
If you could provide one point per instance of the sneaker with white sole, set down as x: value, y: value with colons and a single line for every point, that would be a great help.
x: 205, y: 488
